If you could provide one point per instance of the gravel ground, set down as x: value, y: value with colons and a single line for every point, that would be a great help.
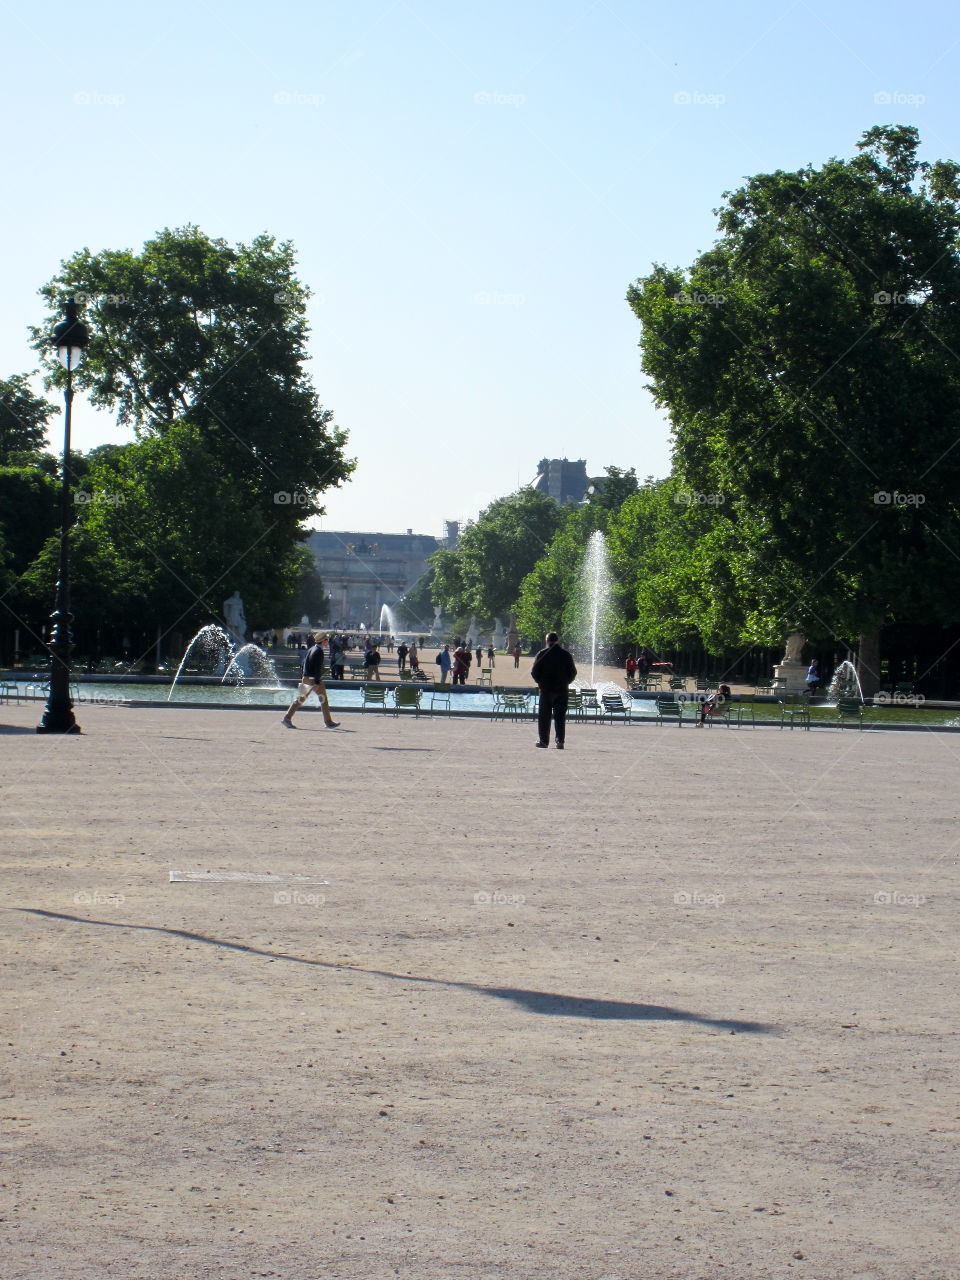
x: 675, y: 1003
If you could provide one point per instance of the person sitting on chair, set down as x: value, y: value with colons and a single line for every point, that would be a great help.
x: 716, y: 704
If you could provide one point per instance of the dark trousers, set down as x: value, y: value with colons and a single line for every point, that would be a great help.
x: 553, y: 706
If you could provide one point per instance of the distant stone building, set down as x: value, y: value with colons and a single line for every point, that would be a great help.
x: 562, y: 480
x: 364, y: 571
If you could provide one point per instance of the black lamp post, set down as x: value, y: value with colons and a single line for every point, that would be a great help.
x: 69, y: 337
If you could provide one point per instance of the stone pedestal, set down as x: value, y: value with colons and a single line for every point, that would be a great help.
x: 790, y: 677
x: 791, y: 674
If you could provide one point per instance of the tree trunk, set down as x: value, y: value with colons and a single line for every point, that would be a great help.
x: 868, y: 661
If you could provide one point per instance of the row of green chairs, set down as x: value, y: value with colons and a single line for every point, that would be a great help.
x: 795, y: 709
x: 583, y: 704
x: 509, y: 705
x: 406, y: 697
x: 674, y: 709
x: 13, y: 691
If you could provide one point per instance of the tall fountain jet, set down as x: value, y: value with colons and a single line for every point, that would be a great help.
x: 596, y: 597
x: 388, y: 621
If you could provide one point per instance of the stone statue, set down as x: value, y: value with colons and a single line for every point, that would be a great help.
x: 790, y: 675
x: 235, y: 618
x: 794, y: 650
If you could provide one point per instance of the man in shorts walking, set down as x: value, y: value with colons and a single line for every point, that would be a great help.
x: 311, y: 681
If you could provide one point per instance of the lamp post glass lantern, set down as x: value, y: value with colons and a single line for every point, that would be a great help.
x: 70, y: 338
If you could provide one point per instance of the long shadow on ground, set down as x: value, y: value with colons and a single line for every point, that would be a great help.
x: 543, y: 1002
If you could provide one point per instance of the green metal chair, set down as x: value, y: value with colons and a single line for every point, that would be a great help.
x: 669, y: 708
x: 373, y: 695
x: 439, y: 698
x: 722, y: 715
x: 575, y: 704
x: 850, y: 710
x: 406, y: 697
x: 515, y: 706
x: 614, y: 708
x: 763, y: 688
x: 677, y: 684
x: 795, y: 709
x: 741, y: 710
x: 590, y: 708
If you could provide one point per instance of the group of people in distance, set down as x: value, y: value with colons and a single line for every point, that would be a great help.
x: 459, y: 661
x: 637, y: 664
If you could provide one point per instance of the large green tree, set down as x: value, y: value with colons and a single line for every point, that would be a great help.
x: 495, y: 553
x: 808, y: 365
x: 201, y: 347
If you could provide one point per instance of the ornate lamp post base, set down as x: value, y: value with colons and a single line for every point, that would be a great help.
x: 58, y: 722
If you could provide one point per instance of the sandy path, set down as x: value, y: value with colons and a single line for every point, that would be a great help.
x: 678, y: 1034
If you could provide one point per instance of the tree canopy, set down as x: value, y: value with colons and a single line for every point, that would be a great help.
x: 194, y: 329
x: 23, y: 421
x: 200, y: 346
x: 808, y: 365
x: 496, y: 551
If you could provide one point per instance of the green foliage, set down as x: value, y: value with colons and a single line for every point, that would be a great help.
x: 612, y: 491
x: 167, y: 516
x: 807, y: 364
x: 193, y: 329
x: 309, y: 596
x: 23, y: 421
x: 550, y: 595
x: 100, y: 599
x: 200, y: 346
x: 495, y: 553
x: 29, y: 512
x: 670, y: 558
x: 446, y: 581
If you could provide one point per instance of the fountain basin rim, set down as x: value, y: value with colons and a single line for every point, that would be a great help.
x: 133, y: 704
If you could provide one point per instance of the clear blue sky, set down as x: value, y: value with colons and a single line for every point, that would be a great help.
x: 470, y: 188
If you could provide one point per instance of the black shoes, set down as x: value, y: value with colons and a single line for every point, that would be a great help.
x: 559, y: 746
x: 543, y: 744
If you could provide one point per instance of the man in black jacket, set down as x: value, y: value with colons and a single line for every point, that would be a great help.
x: 554, y: 671
x: 311, y: 681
